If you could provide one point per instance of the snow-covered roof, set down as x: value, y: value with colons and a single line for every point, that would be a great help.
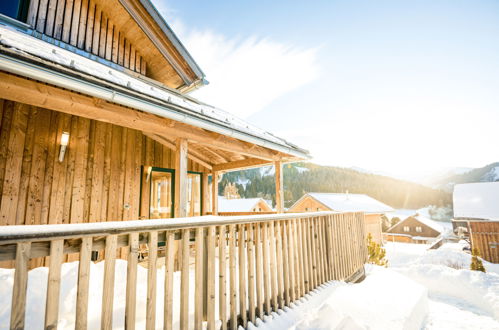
x: 238, y: 204
x: 476, y: 201
x: 55, y: 54
x: 351, y: 202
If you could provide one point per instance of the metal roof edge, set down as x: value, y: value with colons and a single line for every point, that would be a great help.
x: 37, y: 72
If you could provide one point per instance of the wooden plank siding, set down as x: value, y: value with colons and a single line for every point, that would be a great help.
x: 85, y: 25
x: 485, y: 237
x: 99, y: 176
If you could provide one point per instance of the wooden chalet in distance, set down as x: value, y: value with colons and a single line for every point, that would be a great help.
x: 476, y: 211
x: 414, y: 229
x: 100, y: 146
x: 373, y: 209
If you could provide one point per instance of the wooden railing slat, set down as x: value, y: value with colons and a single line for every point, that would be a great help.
x: 273, y: 268
x: 266, y: 271
x: 108, y: 286
x: 198, y: 289
x: 258, y: 270
x: 222, y: 285
x: 83, y: 283
x: 211, y: 278
x: 169, y: 263
x: 151, y: 280
x: 54, y: 284
x: 232, y: 270
x: 242, y: 274
x: 279, y: 265
x: 306, y: 264
x: 184, y: 281
x: 251, y: 273
x: 285, y: 266
x: 20, y: 285
x: 131, y: 281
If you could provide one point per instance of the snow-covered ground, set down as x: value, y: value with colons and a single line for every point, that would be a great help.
x: 421, y: 289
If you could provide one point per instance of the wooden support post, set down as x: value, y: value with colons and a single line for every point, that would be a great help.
x: 181, y: 179
x: 279, y: 189
x: 214, y: 192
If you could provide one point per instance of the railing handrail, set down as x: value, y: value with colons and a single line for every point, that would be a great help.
x: 32, y: 233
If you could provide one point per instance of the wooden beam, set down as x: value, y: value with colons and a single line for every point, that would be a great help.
x: 194, y: 156
x: 219, y: 158
x: 214, y: 192
x: 279, y: 189
x: 181, y: 178
x: 42, y: 95
x: 241, y: 164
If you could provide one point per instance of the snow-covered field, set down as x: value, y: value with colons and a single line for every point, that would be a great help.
x: 421, y: 289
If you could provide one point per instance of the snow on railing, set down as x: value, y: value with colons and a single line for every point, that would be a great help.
x: 262, y: 263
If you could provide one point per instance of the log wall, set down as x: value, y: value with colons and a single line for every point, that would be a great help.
x: 99, y: 179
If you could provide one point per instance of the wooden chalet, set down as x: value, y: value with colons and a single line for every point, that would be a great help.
x: 373, y: 209
x: 102, y: 151
x: 476, y: 216
x: 96, y: 124
x: 414, y: 229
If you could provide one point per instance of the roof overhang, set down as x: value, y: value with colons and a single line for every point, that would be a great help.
x: 163, y: 37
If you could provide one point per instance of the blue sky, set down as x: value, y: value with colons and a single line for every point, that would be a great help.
x: 399, y: 87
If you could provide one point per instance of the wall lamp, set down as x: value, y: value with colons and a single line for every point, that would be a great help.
x: 64, y: 144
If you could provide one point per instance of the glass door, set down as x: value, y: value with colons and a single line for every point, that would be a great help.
x: 194, y: 194
x: 161, y: 193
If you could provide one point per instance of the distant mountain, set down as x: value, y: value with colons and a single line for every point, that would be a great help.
x: 300, y: 178
x: 489, y: 173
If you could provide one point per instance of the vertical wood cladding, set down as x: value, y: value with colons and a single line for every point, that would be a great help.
x: 83, y: 24
x: 99, y: 179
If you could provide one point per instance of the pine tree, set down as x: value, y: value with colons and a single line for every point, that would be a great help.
x: 376, y: 252
x: 476, y: 262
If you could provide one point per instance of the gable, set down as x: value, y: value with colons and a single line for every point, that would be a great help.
x: 412, y: 222
x: 308, y: 204
x: 105, y: 28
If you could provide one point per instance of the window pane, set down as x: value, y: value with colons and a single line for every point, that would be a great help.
x: 9, y: 8
x: 161, y: 195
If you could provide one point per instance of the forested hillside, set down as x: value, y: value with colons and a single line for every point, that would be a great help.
x: 488, y: 173
x: 301, y: 178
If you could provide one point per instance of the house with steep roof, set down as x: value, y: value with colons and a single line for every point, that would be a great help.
x: 372, y: 208
x: 476, y: 215
x: 415, y: 229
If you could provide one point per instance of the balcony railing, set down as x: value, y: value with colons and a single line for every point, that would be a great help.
x: 262, y: 263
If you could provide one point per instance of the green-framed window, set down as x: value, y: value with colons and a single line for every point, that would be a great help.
x: 161, y: 187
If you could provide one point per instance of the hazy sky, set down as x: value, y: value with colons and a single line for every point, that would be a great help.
x: 401, y: 87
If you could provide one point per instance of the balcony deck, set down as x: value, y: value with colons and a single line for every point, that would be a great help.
x: 268, y: 262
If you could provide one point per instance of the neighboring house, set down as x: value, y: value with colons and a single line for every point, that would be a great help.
x: 96, y: 124
x: 414, y: 229
x: 373, y: 209
x: 242, y: 205
x: 476, y: 211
